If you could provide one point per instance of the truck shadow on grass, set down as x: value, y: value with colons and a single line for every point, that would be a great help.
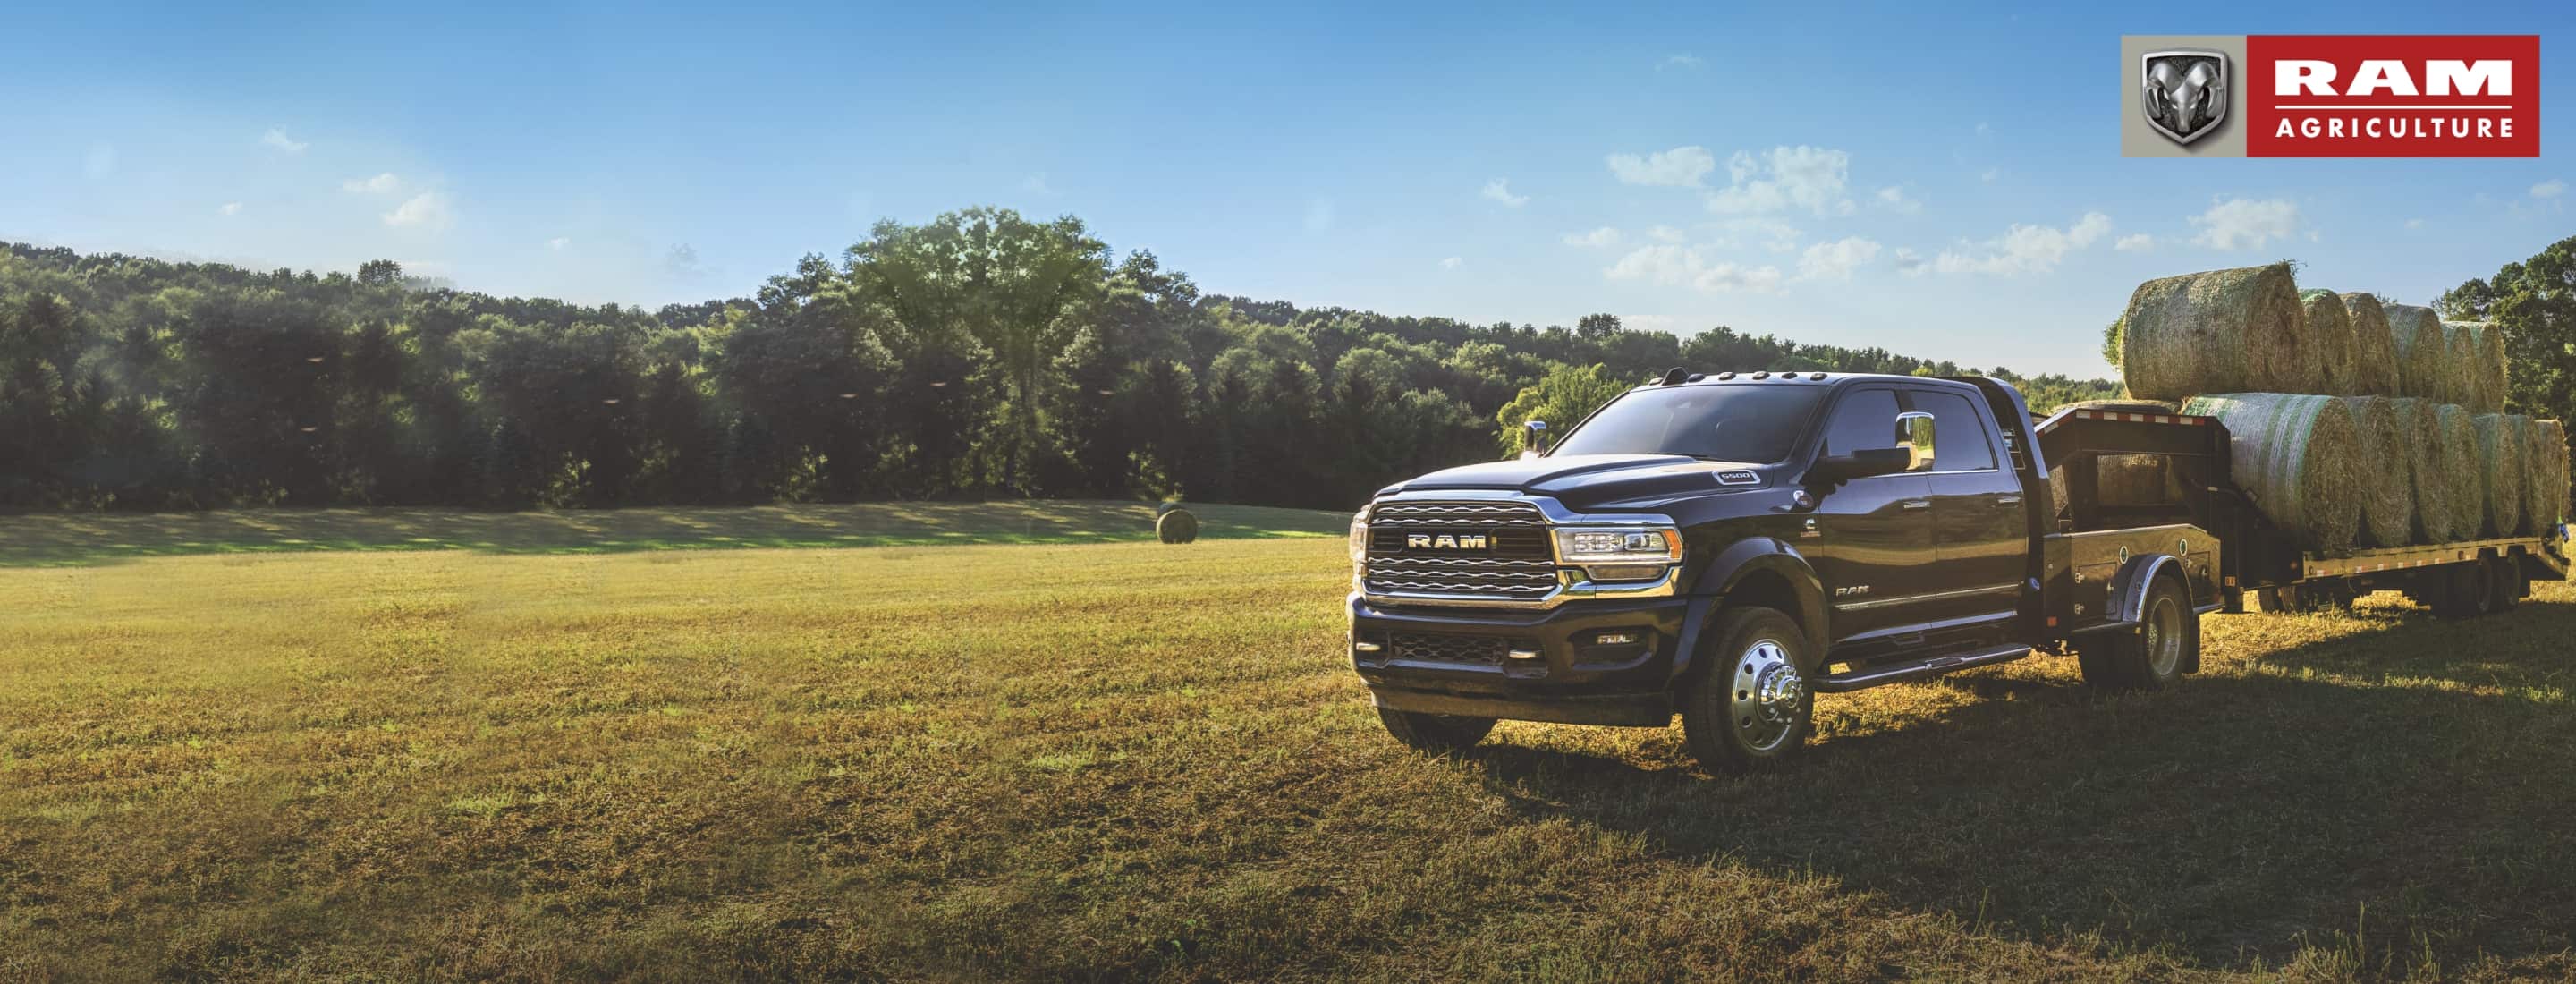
x: 65, y: 540
x: 2400, y: 789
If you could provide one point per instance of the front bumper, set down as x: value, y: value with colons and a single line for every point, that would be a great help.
x: 1574, y: 679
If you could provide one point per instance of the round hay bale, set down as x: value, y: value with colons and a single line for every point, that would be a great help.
x: 1176, y: 525
x: 2499, y: 458
x: 2426, y: 366
x: 2486, y: 365
x: 2551, y: 450
x: 2539, y: 495
x: 2221, y: 331
x: 2374, y: 349
x: 2298, y: 456
x: 2387, y: 505
x: 2459, y: 464
x: 2428, y: 489
x: 2329, y: 335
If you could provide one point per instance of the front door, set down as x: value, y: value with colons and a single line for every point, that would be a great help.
x: 1873, y: 545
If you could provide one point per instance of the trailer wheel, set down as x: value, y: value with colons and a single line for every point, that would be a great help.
x: 1749, y: 705
x: 2506, y: 583
x: 1438, y: 734
x: 2465, y: 590
x: 2152, y: 656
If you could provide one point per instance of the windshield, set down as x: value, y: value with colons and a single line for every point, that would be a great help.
x: 1753, y: 424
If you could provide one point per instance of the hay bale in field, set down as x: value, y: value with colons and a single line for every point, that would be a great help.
x: 2299, y: 457
x: 2387, y: 507
x: 2374, y: 349
x: 2327, y: 327
x: 2426, y: 366
x: 2486, y: 364
x: 2467, y: 492
x: 2499, y: 458
x: 2221, y: 331
x: 2428, y: 489
x: 2551, y: 449
x: 1176, y: 525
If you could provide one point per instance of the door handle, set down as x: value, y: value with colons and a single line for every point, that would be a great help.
x: 2008, y: 499
x: 1918, y: 503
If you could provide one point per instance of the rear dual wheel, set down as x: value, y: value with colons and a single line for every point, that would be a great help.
x: 2151, y: 656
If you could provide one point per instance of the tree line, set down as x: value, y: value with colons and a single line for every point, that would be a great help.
x: 981, y: 354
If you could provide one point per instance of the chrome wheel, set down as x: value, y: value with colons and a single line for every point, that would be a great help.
x: 2161, y: 636
x: 1766, y: 695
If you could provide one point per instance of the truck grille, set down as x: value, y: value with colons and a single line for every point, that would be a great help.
x: 1444, y: 647
x: 1514, y: 562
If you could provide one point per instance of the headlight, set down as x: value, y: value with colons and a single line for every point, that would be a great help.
x: 1359, y: 537
x: 1616, y: 545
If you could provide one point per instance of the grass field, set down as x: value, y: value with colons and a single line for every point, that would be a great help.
x: 1124, y: 760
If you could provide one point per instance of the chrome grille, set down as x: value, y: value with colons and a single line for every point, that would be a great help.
x: 1465, y: 577
x: 1497, y: 513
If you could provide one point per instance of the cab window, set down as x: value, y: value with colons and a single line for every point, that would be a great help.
x: 1863, y: 421
x: 1959, y: 439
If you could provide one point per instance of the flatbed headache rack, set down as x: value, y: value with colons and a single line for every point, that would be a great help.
x: 2258, y: 555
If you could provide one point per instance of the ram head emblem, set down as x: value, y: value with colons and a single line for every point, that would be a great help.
x: 2185, y: 92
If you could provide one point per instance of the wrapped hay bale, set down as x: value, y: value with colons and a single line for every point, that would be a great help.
x: 2425, y: 363
x: 2486, y: 365
x: 2216, y: 332
x: 2427, y: 486
x: 2387, y: 507
x: 2499, y: 460
x: 2374, y: 349
x: 2327, y: 328
x: 2299, y: 457
x: 2551, y: 449
x: 2459, y: 465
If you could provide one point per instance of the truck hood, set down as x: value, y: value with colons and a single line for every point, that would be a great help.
x: 1589, y: 480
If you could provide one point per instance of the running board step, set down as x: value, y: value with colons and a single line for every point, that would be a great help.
x: 1917, y: 669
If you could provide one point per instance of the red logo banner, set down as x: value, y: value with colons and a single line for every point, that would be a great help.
x: 2358, y: 95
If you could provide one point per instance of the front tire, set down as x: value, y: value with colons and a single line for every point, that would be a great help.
x: 2152, y: 656
x: 1749, y: 705
x: 1438, y: 734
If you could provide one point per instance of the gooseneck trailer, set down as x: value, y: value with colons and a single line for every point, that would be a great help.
x: 1724, y: 547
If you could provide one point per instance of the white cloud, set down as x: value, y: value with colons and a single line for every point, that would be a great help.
x: 1666, y: 234
x: 1812, y: 178
x: 1597, y: 238
x: 1908, y: 262
x: 681, y: 263
x: 1836, y: 260
x: 1650, y: 322
x: 1983, y: 129
x: 1776, y: 236
x: 381, y: 184
x: 558, y: 243
x: 1451, y: 263
x: 2244, y: 223
x: 278, y: 139
x: 1895, y: 198
x: 230, y: 208
x: 2138, y: 242
x: 1990, y: 174
x: 2551, y: 188
x: 427, y: 210
x: 1500, y: 190
x: 2025, y: 248
x: 2414, y: 223
x: 1678, y: 61
x: 1671, y: 265
x: 1680, y: 167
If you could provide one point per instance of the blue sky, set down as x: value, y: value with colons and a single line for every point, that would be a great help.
x: 1943, y: 182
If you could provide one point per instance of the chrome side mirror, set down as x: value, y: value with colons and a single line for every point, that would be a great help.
x: 1533, y: 438
x: 1914, y: 433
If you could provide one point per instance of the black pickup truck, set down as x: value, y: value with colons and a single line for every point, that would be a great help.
x: 1725, y: 547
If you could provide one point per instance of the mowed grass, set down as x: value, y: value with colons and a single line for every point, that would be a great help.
x: 1136, y: 761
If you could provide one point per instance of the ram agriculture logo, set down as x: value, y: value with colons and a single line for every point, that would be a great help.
x: 2330, y: 95
x: 1445, y: 541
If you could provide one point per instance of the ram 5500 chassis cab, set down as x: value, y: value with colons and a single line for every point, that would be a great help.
x: 1726, y: 547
